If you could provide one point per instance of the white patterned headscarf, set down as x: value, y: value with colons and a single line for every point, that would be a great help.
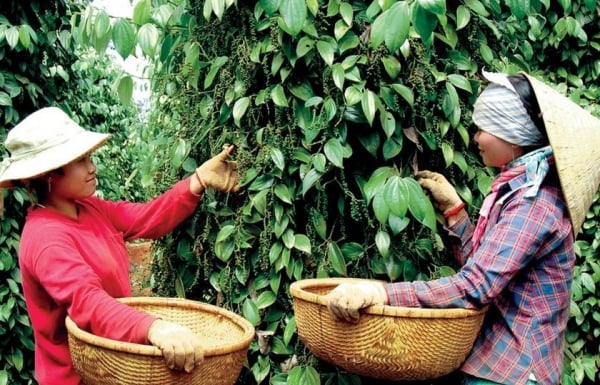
x: 500, y: 112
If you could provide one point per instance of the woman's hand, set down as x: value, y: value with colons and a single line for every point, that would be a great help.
x: 345, y: 301
x: 443, y: 193
x: 181, y: 348
x: 218, y: 172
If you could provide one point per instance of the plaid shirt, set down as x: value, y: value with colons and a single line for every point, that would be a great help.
x: 523, y: 269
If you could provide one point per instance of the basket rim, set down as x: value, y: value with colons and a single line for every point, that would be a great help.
x: 153, y: 351
x: 298, y: 290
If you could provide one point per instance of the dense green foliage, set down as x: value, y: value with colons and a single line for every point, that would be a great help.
x: 41, y: 66
x: 583, y: 352
x: 31, y: 75
x: 332, y: 106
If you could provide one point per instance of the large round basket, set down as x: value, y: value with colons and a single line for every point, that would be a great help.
x: 391, y: 343
x: 226, y: 335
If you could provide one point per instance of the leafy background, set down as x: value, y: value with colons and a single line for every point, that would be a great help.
x: 332, y: 105
x: 40, y: 66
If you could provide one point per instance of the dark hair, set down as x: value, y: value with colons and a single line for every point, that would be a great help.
x: 39, y: 186
x: 527, y: 96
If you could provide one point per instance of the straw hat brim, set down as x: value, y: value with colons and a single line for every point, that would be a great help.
x: 574, y: 136
x: 51, y: 159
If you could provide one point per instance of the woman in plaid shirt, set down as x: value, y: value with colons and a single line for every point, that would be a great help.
x: 518, y: 259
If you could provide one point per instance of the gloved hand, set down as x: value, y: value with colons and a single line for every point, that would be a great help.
x: 345, y: 301
x: 181, y: 348
x: 443, y: 193
x: 218, y: 172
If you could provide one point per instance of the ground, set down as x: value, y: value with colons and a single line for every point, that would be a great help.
x: 140, y: 269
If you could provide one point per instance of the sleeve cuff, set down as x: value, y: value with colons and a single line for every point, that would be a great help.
x: 401, y: 294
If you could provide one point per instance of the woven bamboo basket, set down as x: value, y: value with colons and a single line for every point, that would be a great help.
x: 390, y: 343
x: 226, y: 335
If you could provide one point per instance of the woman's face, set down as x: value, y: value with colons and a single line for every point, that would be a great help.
x: 496, y: 152
x: 77, y: 180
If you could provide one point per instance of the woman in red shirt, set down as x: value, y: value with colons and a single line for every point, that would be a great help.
x: 72, y: 251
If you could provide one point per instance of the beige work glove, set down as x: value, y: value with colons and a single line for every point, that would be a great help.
x: 437, y: 186
x: 345, y: 301
x: 219, y: 172
x: 181, y: 348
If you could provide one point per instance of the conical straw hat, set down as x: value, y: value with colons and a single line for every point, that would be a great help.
x: 574, y: 136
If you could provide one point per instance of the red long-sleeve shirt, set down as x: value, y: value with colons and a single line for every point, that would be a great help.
x: 79, y: 266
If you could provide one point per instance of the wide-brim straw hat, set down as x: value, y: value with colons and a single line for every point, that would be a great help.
x: 574, y: 136
x: 44, y: 141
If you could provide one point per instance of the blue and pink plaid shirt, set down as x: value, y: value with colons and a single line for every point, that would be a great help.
x: 523, y: 270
